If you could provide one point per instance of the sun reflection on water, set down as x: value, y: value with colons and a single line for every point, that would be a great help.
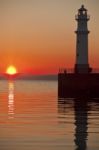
x: 11, y: 100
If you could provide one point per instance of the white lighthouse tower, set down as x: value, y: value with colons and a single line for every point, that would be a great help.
x: 82, y: 64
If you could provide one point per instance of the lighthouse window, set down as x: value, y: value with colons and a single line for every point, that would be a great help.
x: 84, y: 12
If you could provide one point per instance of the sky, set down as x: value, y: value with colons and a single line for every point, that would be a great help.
x: 37, y: 36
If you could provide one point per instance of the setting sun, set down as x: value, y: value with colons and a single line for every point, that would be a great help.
x: 11, y: 70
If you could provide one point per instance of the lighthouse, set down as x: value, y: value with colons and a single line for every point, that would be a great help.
x: 82, y: 64
x: 83, y: 81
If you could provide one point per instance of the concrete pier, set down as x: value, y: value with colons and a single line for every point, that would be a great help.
x: 77, y: 85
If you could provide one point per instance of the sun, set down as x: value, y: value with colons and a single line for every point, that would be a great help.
x: 11, y: 70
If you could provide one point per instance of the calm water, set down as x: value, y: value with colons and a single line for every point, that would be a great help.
x: 33, y: 118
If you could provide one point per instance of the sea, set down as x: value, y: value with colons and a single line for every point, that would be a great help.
x: 32, y: 117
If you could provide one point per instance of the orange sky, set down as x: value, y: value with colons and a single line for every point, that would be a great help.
x: 38, y: 35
